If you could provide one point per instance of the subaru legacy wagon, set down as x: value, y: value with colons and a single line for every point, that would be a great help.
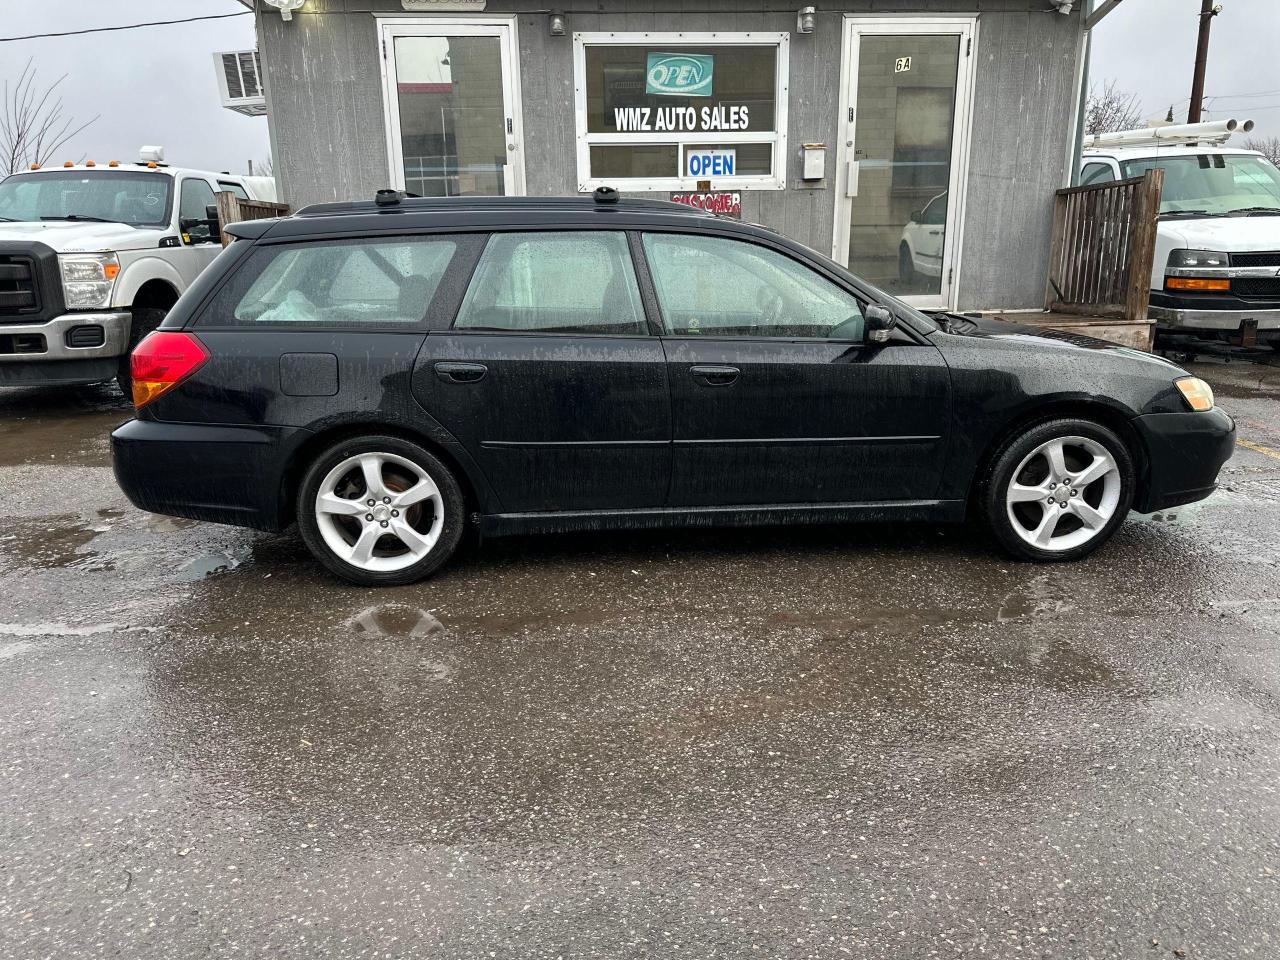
x: 387, y: 373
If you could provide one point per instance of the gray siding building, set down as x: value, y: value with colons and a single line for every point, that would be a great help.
x: 917, y: 141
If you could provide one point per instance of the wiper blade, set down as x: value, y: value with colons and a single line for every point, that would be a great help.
x: 1255, y: 212
x: 1190, y: 213
x: 80, y: 216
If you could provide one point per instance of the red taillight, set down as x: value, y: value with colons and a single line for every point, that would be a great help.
x: 163, y: 360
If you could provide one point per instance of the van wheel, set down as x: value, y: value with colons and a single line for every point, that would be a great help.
x: 380, y: 511
x: 906, y: 268
x: 145, y: 319
x: 1058, y: 490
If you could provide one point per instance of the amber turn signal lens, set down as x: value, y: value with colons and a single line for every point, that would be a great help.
x: 1197, y: 393
x: 1197, y: 283
x: 111, y: 270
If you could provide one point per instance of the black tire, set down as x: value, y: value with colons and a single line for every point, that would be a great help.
x: 453, y: 510
x: 906, y: 267
x: 145, y: 319
x: 1000, y: 473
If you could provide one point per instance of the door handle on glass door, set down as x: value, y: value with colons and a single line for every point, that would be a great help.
x: 451, y: 372
x: 714, y: 375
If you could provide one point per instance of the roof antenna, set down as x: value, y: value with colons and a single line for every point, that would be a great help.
x: 386, y: 197
x: 606, y: 195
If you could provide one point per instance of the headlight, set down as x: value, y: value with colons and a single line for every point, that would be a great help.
x: 1197, y: 393
x: 87, y: 279
x: 1198, y: 258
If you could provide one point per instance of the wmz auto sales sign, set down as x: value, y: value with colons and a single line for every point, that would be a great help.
x: 696, y: 119
x: 725, y: 204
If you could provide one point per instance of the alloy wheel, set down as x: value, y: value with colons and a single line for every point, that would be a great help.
x: 1063, y: 493
x: 379, y: 511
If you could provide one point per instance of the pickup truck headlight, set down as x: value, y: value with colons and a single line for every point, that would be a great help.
x: 87, y: 279
x: 1197, y: 393
x: 1182, y: 259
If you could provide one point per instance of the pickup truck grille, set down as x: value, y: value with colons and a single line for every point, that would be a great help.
x: 19, y: 290
x: 1256, y: 259
x: 1256, y: 287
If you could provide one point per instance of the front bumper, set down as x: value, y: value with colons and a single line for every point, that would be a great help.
x: 1227, y: 320
x: 219, y: 473
x: 44, y: 352
x: 1185, y: 451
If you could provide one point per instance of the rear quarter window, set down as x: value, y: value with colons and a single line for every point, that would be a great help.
x: 383, y: 282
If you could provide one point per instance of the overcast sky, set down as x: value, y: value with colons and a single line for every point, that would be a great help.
x: 157, y: 84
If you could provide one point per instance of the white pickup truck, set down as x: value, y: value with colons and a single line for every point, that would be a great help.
x: 1216, y: 272
x: 92, y: 256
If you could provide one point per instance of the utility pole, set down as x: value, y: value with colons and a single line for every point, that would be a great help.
x: 1208, y: 10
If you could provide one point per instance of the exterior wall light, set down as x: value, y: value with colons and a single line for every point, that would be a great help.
x: 555, y: 24
x: 804, y: 19
x: 286, y: 7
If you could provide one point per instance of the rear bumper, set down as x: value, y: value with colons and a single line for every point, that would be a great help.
x: 221, y: 474
x: 33, y: 353
x: 1185, y: 451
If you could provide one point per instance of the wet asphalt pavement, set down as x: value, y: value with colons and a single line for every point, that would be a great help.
x: 867, y: 742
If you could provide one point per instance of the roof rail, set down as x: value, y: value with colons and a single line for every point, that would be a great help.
x: 392, y: 202
x: 1212, y: 132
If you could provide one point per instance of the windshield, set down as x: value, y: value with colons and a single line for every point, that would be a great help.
x: 1213, y: 184
x: 121, y: 196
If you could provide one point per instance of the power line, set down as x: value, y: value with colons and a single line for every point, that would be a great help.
x: 126, y: 26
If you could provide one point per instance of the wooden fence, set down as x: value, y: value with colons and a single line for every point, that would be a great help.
x: 1104, y: 238
x: 231, y: 209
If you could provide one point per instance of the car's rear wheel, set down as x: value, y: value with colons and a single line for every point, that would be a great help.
x: 380, y: 511
x: 1058, y: 490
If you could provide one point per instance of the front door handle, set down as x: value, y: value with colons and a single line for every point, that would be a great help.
x: 452, y: 372
x: 714, y: 375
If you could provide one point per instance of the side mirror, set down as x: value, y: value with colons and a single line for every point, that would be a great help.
x: 200, y: 231
x: 879, y: 321
x: 917, y: 216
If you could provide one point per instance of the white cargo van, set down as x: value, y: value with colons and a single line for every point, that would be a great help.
x: 1217, y: 260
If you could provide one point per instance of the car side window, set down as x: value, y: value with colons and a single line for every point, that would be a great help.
x: 1096, y: 173
x: 235, y: 188
x: 195, y: 197
x: 714, y: 286
x: 935, y: 212
x: 336, y: 283
x: 555, y: 282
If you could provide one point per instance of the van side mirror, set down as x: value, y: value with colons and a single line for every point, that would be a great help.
x: 879, y: 321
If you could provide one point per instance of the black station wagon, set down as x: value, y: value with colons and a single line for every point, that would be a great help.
x: 384, y: 373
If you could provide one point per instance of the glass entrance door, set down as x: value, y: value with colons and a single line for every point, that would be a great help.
x: 903, y: 162
x: 452, y: 108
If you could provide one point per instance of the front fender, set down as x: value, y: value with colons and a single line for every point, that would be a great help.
x: 135, y: 274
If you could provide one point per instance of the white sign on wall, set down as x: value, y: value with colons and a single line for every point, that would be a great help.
x: 704, y: 163
x: 902, y: 65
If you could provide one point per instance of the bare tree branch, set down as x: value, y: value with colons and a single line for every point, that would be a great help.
x: 1110, y: 109
x: 33, y: 126
x: 1269, y: 147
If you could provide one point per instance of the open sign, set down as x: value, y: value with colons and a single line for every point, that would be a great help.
x: 716, y: 162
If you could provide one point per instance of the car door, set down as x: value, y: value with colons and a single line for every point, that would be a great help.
x: 776, y: 396
x: 551, y: 378
x: 200, y: 244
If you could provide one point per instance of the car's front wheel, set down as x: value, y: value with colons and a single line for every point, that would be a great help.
x: 380, y: 511
x: 906, y: 265
x: 1059, y: 489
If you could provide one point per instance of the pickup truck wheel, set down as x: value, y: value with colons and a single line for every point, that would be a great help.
x: 1058, y: 490
x: 145, y: 319
x: 380, y: 511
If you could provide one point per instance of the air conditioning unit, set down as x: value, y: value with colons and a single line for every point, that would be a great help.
x: 240, y: 82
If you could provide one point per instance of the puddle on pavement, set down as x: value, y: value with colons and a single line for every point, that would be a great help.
x: 68, y: 427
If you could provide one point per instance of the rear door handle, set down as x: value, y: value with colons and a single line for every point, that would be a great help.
x: 714, y: 375
x: 452, y: 372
